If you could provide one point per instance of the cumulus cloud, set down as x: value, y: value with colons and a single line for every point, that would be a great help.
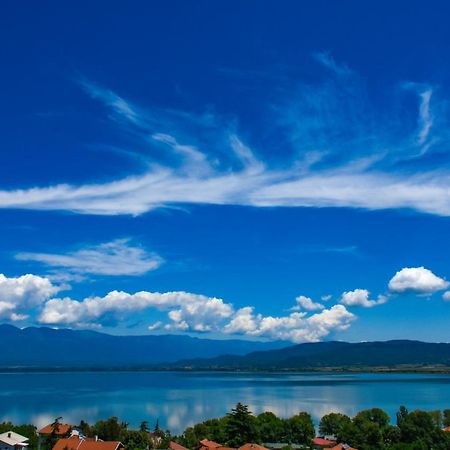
x: 186, y: 310
x: 417, y: 279
x: 197, y: 313
x: 113, y: 258
x: 307, y: 303
x: 446, y: 296
x: 21, y: 294
x: 298, y: 327
x: 360, y: 297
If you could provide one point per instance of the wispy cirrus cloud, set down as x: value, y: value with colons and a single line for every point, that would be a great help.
x: 343, y: 155
x: 115, y: 258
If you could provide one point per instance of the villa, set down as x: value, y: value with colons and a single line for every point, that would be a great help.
x: 205, y: 444
x: 80, y: 443
x: 12, y: 441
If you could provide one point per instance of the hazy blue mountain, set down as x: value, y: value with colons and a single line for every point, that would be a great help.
x: 333, y: 355
x: 46, y: 347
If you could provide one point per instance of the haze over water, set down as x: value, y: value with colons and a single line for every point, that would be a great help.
x: 182, y: 399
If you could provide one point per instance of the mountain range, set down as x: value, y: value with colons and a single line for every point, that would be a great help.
x: 332, y: 355
x: 47, y: 348
x: 43, y: 347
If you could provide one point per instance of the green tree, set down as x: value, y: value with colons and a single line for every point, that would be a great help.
x: 240, y: 426
x: 300, y: 428
x: 270, y: 428
x: 368, y: 429
x: 144, y: 426
x: 333, y: 423
x: 110, y: 429
x: 135, y: 440
x: 436, y: 417
x: 446, y: 417
x: 85, y: 428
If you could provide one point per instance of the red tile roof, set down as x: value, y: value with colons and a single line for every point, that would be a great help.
x: 205, y: 444
x: 176, y: 446
x: 209, y: 444
x: 75, y: 443
x: 446, y: 429
x: 63, y: 429
x: 323, y: 442
x: 252, y: 447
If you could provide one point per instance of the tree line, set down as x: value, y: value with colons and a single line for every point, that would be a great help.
x: 370, y: 429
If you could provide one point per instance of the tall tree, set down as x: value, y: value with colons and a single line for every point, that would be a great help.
x: 240, y: 426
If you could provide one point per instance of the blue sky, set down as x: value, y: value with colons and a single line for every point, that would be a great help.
x: 226, y: 169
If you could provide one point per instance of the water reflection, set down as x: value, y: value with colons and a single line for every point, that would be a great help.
x: 182, y: 399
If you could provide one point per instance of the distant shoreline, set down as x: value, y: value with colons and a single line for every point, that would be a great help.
x: 325, y: 370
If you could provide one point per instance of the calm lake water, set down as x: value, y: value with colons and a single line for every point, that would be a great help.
x: 182, y: 399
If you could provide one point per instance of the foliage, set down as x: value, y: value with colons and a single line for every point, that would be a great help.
x: 109, y: 430
x: 333, y: 424
x: 135, y: 440
x: 300, y: 428
x: 368, y: 430
x: 240, y: 426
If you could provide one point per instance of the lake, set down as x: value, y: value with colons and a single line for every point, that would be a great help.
x: 180, y: 399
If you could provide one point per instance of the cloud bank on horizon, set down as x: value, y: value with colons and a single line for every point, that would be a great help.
x: 34, y: 297
x: 342, y: 154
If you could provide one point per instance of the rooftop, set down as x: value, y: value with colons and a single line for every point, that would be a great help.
x: 12, y: 438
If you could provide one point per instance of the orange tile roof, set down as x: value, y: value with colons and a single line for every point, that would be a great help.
x: 446, y: 429
x: 176, y: 446
x: 323, y: 442
x: 252, y: 447
x: 206, y: 444
x: 210, y: 444
x: 75, y: 443
x: 343, y: 447
x: 63, y: 429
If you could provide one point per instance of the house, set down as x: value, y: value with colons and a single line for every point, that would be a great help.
x: 154, y: 438
x: 343, y: 447
x: 61, y: 429
x: 12, y: 441
x: 446, y: 429
x: 252, y: 447
x: 80, y: 443
x: 281, y: 445
x: 175, y: 446
x: 320, y: 442
x: 205, y: 444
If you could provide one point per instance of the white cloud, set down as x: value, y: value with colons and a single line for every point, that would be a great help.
x: 297, y: 327
x: 163, y: 186
x: 155, y: 326
x: 360, y: 297
x: 243, y: 322
x: 117, y: 257
x: 21, y: 294
x: 194, y: 312
x: 417, y: 279
x: 425, y: 118
x: 329, y: 62
x: 446, y: 296
x: 230, y: 174
x: 307, y: 303
x: 186, y: 310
